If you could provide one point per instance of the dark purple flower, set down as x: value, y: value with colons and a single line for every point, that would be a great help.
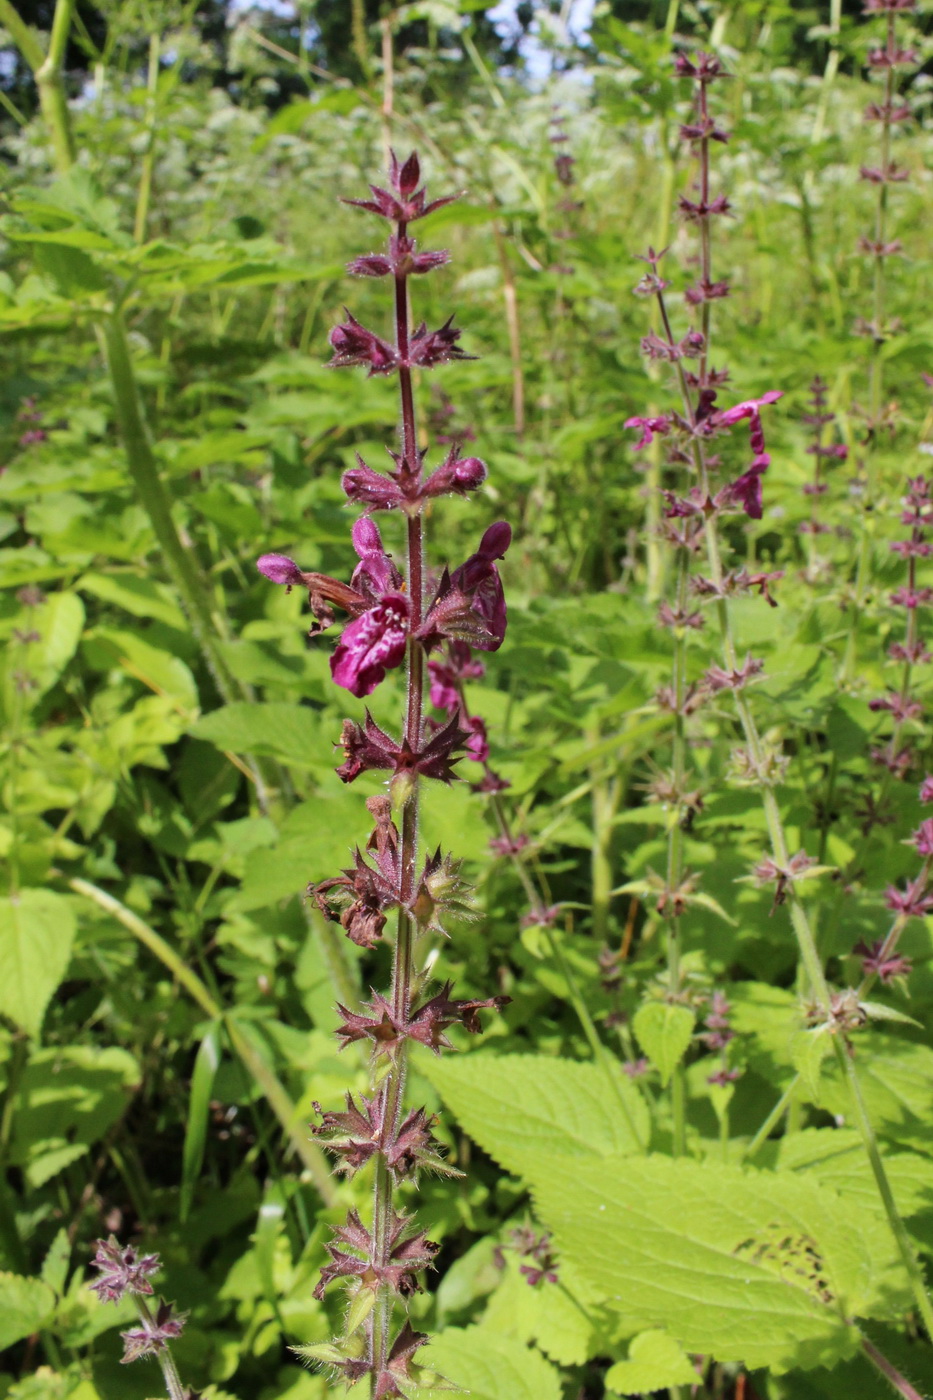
x: 278, y: 568
x: 750, y: 409
x: 470, y: 604
x: 371, y: 645
x: 456, y: 475
x: 154, y: 1334
x: 353, y: 344
x: 477, y: 745
x: 913, y: 902
x: 649, y: 427
x: 367, y: 747
x: 428, y: 348
x: 401, y: 261
x: 923, y: 837
x: 746, y: 491
x: 885, y: 965
x: 407, y: 203
x: 122, y: 1270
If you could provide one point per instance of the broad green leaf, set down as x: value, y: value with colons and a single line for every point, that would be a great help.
x: 809, y: 1048
x: 655, y: 1362
x: 706, y: 1252
x: 489, y: 1367
x: 558, y: 1320
x: 141, y: 596
x: 66, y: 1099
x: 199, y: 1108
x: 37, y: 929
x: 896, y: 1077
x: 25, y: 1306
x: 294, y: 733
x: 55, y: 1264
x: 519, y: 1106
x: 664, y: 1032
x: 157, y: 669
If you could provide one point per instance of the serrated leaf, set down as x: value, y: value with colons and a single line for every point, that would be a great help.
x: 877, y: 1011
x: 663, y: 1032
x: 489, y: 1367
x: 55, y: 1263
x: 655, y: 1362
x: 518, y: 1106
x: 37, y: 929
x: 808, y: 1050
x: 25, y: 1306
x: 706, y: 1252
x: 290, y: 732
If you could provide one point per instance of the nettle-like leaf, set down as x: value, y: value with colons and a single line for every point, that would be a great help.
x: 663, y: 1032
x: 37, y: 929
x: 749, y: 1267
x: 519, y: 1107
x: 25, y: 1305
x: 655, y: 1362
x: 560, y: 1320
x: 489, y: 1366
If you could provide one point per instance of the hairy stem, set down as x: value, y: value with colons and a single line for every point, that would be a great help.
x: 392, y: 1088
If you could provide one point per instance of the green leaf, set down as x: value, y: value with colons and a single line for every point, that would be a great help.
x: 655, y: 1362
x: 808, y: 1050
x: 199, y: 1107
x: 489, y: 1367
x: 708, y: 1252
x: 141, y: 596
x: 291, y: 732
x: 664, y: 1032
x: 558, y: 1320
x: 519, y: 1106
x: 55, y: 1264
x: 66, y: 1099
x: 37, y: 929
x: 25, y: 1306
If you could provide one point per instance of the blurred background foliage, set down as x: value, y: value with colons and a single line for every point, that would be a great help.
x: 167, y: 995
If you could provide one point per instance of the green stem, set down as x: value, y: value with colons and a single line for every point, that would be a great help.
x: 47, y: 71
x: 145, y: 180
x: 277, y: 1097
x: 898, y: 1228
x: 777, y: 1112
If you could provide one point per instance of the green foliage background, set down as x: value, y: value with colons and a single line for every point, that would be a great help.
x: 166, y: 994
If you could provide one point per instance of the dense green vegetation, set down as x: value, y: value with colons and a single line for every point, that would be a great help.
x: 666, y: 1096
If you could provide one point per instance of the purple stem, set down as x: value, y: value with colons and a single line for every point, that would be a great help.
x: 393, y: 1085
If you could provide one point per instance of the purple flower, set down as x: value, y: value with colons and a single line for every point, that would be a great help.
x: 402, y: 260
x: 407, y: 203
x: 371, y: 645
x: 649, y: 427
x: 923, y: 837
x: 456, y: 476
x: 881, y: 963
x: 353, y: 344
x: 746, y: 491
x: 926, y: 790
x: 154, y: 1335
x: 470, y: 604
x: 122, y: 1270
x: 751, y: 409
x: 428, y: 348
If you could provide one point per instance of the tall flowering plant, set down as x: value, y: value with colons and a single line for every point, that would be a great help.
x: 396, y: 616
x: 693, y: 435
